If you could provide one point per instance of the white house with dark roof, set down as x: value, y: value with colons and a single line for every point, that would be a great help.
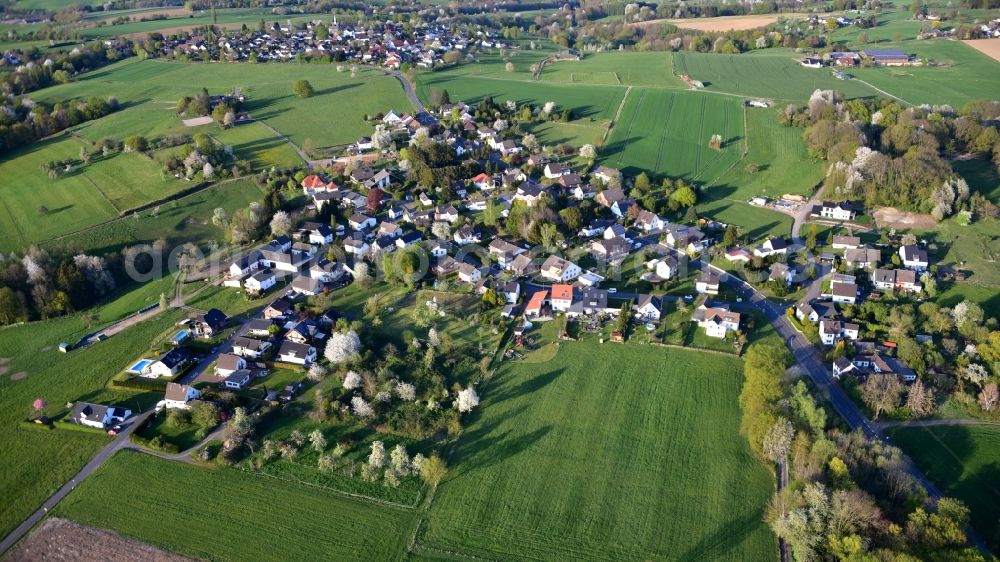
x: 913, y: 257
x: 831, y: 331
x: 716, y: 319
x: 179, y: 396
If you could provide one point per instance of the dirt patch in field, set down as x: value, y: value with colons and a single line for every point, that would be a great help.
x: 197, y: 121
x: 725, y: 23
x: 894, y: 218
x: 47, y: 348
x: 59, y: 540
x: 989, y: 47
x: 4, y: 369
x: 19, y: 375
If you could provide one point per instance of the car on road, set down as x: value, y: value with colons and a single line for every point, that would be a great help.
x: 612, y: 290
x: 689, y: 297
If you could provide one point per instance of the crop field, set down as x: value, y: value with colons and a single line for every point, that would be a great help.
x: 286, y: 521
x: 35, y: 207
x: 772, y: 74
x: 576, y: 133
x: 964, y: 462
x: 35, y: 462
x: 667, y: 133
x: 782, y: 162
x: 605, y: 452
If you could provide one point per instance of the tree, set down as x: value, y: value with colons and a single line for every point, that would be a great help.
x: 715, y: 142
x: 989, y: 397
x: 588, y: 152
x: 302, y: 89
x: 205, y: 415
x: 373, y: 201
x: 811, y: 238
x: 920, y: 400
x: 467, y: 400
x: 316, y: 372
x: 352, y: 380
x: 572, y: 217
x: 361, y: 407
x: 975, y: 373
x: 361, y: 275
x: 281, y: 223
x: 239, y: 427
x: 400, y: 460
x: 882, y: 393
x: 377, y: 457
x: 406, y: 391
x: 685, y: 196
x: 382, y: 137
x: 778, y: 440
x: 730, y: 237
x: 342, y: 348
x: 317, y: 440
x: 433, y: 470
x: 763, y: 367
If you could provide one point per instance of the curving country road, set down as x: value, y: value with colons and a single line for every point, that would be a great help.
x: 408, y: 88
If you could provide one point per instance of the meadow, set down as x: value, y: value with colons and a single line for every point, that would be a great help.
x: 244, y: 517
x: 964, y: 462
x: 667, y: 133
x: 36, y: 463
x: 768, y: 73
x: 605, y: 452
x: 36, y: 207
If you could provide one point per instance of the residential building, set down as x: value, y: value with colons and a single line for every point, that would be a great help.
x: 772, y: 247
x: 209, y: 324
x: 846, y: 242
x: 250, y: 347
x: 238, y: 380
x: 170, y: 364
x: 228, y: 363
x: 97, y: 416
x: 831, y: 331
x: 179, y: 396
x: 707, y: 283
x: 556, y: 268
x: 913, y: 257
x: 896, y: 279
x: 716, y: 319
x: 866, y: 258
x: 647, y: 308
x: 469, y: 273
x: 562, y: 297
x: 296, y: 353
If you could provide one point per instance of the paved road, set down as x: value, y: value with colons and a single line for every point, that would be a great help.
x: 932, y: 423
x: 119, y: 442
x: 408, y: 88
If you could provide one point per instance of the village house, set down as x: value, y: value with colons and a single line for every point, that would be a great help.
x: 408, y: 239
x: 614, y: 200
x: 590, y: 301
x: 466, y: 234
x: 228, y: 363
x: 296, y: 353
x: 607, y: 175
x: 305, y: 285
x: 738, y: 255
x: 865, y: 365
x: 648, y: 221
x: 260, y: 282
x: 356, y: 247
x: 913, y: 257
x: 814, y: 311
x: 610, y: 249
x: 896, y: 279
x: 522, y: 265
x: 771, y: 247
x: 647, y: 308
x: 260, y: 327
x: 250, y: 347
x: 246, y: 264
x: 707, y: 283
x: 469, y: 273
x: 238, y: 380
x: 687, y: 238
x: 562, y: 297
x: 97, y: 415
x: 865, y: 258
x: 359, y: 221
x: 554, y: 170
x: 503, y: 251
x: 716, y: 319
x: 536, y: 304
x: 841, y: 211
x: 845, y: 242
x: 170, y: 364
x: 556, y: 268
x: 831, y: 331
x: 179, y: 396
x: 209, y: 324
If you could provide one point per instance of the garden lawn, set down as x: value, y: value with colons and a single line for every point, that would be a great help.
x: 754, y: 222
x: 964, y: 462
x: 36, y: 463
x: 245, y: 516
x: 607, y: 452
x: 667, y: 132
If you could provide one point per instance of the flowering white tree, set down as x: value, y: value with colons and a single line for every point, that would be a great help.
x: 967, y: 312
x: 976, y: 374
x: 467, y: 400
x: 588, y: 152
x: 383, y: 396
x: 500, y: 125
x: 342, y: 347
x: 433, y: 339
x: 377, y: 456
x: 352, y: 380
x: 441, y: 230
x: 400, y: 460
x: 530, y: 142
x: 549, y: 107
x: 95, y: 269
x: 318, y: 441
x: 361, y: 407
x: 208, y: 170
x: 418, y: 462
x: 281, y: 223
x: 316, y: 372
x: 406, y: 391
x: 381, y: 138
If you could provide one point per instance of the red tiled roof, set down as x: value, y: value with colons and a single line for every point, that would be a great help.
x: 536, y: 300
x: 562, y: 292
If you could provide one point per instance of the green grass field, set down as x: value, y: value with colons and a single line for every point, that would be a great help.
x: 225, y: 514
x: 769, y: 73
x: 94, y: 192
x: 616, y: 68
x: 260, y: 146
x: 36, y: 463
x: 667, y: 133
x: 964, y: 462
x: 783, y: 164
x: 605, y: 452
x: 188, y: 219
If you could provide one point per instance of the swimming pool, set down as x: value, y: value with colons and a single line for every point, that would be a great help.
x: 181, y: 336
x: 140, y: 366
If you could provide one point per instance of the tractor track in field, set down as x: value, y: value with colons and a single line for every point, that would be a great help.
x: 663, y: 134
x: 628, y: 132
x: 701, y: 135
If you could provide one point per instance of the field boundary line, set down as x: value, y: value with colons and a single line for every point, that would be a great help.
x: 663, y: 133
x: 118, y: 211
x: 13, y: 222
x: 614, y: 122
x: 621, y: 155
x: 701, y: 137
x: 881, y: 91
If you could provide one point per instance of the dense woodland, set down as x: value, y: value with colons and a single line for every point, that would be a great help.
x: 23, y: 121
x: 889, y: 155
